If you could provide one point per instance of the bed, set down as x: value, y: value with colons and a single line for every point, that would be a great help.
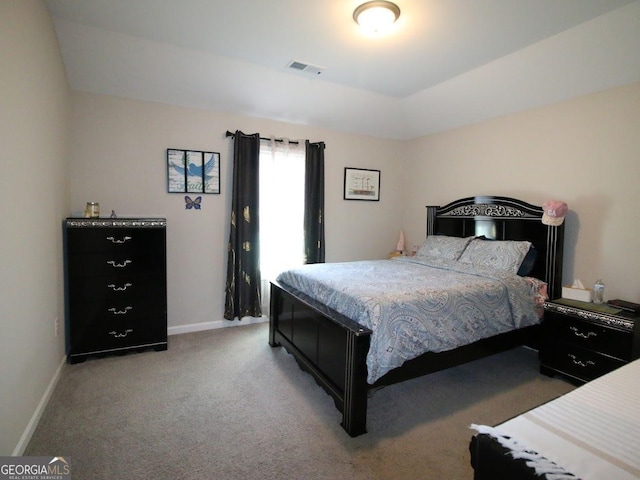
x: 592, y: 432
x: 330, y: 340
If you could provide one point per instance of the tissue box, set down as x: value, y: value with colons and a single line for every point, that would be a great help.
x: 581, y: 294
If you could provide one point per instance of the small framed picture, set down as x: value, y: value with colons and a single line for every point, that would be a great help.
x: 176, y: 171
x: 361, y: 184
x: 193, y: 171
x: 211, y: 172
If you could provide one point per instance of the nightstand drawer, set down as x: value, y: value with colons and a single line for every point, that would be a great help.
x: 588, y: 335
x: 583, y: 364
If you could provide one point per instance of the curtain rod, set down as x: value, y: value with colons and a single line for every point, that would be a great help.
x: 231, y: 134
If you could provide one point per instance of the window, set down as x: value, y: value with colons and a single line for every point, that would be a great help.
x: 282, y: 168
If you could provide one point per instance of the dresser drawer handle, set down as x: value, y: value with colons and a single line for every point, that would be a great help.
x: 578, y: 333
x: 124, y: 239
x: 120, y: 289
x: 119, y: 265
x: 120, y: 312
x: 123, y: 334
x: 581, y: 363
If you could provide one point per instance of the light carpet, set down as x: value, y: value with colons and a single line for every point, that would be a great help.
x: 223, y: 404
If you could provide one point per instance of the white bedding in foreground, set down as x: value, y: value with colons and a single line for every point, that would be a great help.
x: 592, y: 432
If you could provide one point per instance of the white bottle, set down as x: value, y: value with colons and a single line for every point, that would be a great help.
x: 598, y: 292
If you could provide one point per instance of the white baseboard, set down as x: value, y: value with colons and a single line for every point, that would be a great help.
x: 198, y: 327
x: 35, y: 418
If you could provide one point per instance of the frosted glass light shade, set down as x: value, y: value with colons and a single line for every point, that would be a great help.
x: 377, y: 15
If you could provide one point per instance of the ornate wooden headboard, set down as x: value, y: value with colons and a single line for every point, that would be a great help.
x: 504, y: 218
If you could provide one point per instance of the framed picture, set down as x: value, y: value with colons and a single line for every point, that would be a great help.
x: 193, y: 171
x: 361, y: 184
x: 176, y: 171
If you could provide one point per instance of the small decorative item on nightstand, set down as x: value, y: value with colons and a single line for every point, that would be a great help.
x: 400, y: 244
x: 583, y: 340
x: 399, y: 251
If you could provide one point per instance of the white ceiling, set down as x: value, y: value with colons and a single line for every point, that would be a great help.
x: 445, y: 64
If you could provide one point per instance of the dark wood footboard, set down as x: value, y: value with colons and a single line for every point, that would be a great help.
x: 326, y: 344
x: 333, y: 349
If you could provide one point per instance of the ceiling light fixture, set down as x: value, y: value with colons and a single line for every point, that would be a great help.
x: 377, y: 15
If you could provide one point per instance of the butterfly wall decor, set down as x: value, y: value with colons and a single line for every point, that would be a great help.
x: 189, y: 204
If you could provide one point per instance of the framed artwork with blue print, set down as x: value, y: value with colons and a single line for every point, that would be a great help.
x: 193, y: 171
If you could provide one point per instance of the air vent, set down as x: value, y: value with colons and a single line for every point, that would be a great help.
x: 305, y: 67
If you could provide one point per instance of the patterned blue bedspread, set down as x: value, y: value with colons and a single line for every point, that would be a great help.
x: 414, y: 305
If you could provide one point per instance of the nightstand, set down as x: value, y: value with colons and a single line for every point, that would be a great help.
x: 583, y: 340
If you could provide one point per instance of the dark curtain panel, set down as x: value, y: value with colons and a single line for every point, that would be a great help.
x: 314, y: 202
x: 243, y: 265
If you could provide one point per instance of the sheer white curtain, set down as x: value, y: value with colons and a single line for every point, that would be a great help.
x: 282, y: 166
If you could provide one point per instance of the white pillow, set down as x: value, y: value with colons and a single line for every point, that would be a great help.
x: 443, y: 246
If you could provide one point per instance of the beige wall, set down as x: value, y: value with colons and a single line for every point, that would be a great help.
x: 118, y: 159
x: 585, y: 152
x: 582, y: 151
x: 33, y: 201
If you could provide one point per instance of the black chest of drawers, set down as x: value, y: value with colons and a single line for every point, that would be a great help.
x: 583, y: 341
x: 116, y: 286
